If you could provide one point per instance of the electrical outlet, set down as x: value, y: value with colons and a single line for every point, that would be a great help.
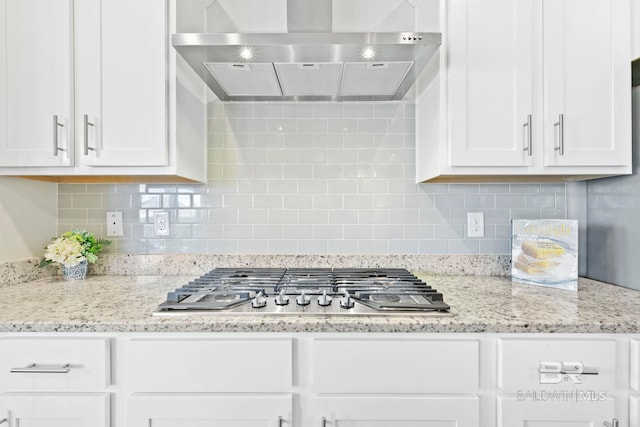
x: 475, y: 224
x: 161, y: 224
x: 114, y: 224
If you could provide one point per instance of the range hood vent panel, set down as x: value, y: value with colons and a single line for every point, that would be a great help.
x: 309, y: 79
x: 375, y: 78
x: 213, y: 55
x: 241, y: 79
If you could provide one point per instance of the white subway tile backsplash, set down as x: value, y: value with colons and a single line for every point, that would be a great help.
x: 283, y: 216
x: 327, y: 201
x: 373, y: 247
x: 312, y: 126
x: 328, y: 231
x: 359, y: 201
x: 275, y: 246
x: 312, y: 247
x: 388, y: 231
x: 326, y: 171
x: 372, y: 125
x: 297, y: 231
x: 298, y: 110
x: 269, y: 201
x: 253, y: 216
x: 342, y: 126
x: 298, y: 201
x: 310, y: 177
x: 314, y: 216
x: 268, y: 231
x: 343, y: 216
x: 329, y: 110
x: 505, y: 201
x: 356, y: 110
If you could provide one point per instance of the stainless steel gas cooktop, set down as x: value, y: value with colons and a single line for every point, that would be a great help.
x: 300, y: 291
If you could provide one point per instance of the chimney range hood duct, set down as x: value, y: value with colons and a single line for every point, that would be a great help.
x: 308, y: 66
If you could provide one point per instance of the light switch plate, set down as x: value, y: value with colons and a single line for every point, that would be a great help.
x: 114, y: 224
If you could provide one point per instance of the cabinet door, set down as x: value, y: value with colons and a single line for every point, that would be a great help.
x: 586, y: 82
x: 121, y: 82
x: 56, y: 410
x: 459, y: 411
x: 547, y: 412
x: 35, y: 82
x: 490, y: 82
x: 209, y: 411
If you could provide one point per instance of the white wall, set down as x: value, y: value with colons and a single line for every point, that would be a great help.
x: 28, y: 216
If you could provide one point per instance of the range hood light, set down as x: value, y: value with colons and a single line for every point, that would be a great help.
x: 368, y: 53
x: 246, y: 53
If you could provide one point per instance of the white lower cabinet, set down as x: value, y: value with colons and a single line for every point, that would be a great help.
x: 405, y: 411
x: 55, y: 410
x: 519, y: 412
x: 318, y: 380
x: 55, y: 380
x: 210, y: 411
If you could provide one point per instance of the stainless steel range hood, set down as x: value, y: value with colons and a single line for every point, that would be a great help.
x: 308, y: 66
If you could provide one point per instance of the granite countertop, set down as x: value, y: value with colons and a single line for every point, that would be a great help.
x: 478, y: 303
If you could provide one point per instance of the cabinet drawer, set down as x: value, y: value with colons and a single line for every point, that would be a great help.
x: 543, y: 411
x: 395, y: 365
x: 209, y: 365
x: 519, y: 364
x: 45, y: 364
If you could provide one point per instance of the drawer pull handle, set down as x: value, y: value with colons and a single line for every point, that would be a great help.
x: 4, y: 420
x: 323, y: 422
x: 280, y: 421
x: 613, y: 423
x: 33, y: 368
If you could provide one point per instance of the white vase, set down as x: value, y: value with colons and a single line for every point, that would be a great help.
x: 76, y: 272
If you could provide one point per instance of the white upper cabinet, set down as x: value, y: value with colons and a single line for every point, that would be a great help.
x: 530, y: 89
x: 587, y: 95
x: 36, y: 63
x: 491, y: 92
x: 120, y: 53
x: 125, y: 104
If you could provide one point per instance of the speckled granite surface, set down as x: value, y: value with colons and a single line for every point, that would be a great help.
x: 479, y: 304
x: 196, y: 264
x: 190, y: 264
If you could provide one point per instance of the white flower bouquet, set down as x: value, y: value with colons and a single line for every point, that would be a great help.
x: 72, y: 248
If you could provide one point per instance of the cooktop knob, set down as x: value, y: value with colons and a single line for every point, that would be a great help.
x: 324, y: 299
x: 303, y: 299
x: 346, y: 301
x: 259, y: 301
x: 281, y: 298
